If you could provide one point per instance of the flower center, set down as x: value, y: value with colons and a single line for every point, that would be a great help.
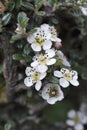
x: 77, y: 119
x: 52, y: 92
x: 42, y: 59
x: 67, y: 76
x: 39, y: 40
x: 35, y: 76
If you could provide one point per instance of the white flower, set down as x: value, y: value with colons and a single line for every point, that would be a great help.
x: 66, y: 77
x: 83, y: 108
x: 20, y: 30
x: 40, y: 39
x: 52, y: 31
x: 84, y: 10
x: 62, y: 59
x: 41, y: 61
x: 33, y: 76
x: 76, y: 120
x: 52, y: 93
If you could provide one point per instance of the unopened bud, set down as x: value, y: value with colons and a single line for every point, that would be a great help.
x: 58, y: 45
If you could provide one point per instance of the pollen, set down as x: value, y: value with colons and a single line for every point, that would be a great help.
x: 77, y: 119
x: 39, y: 40
x: 35, y: 76
x: 67, y: 76
x: 42, y: 59
x: 52, y: 93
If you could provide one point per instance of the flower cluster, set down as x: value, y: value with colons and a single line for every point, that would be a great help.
x: 77, y: 119
x: 48, y: 61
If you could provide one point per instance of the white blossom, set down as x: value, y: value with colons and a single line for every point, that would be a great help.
x: 76, y: 120
x: 52, y: 93
x: 83, y: 108
x: 42, y: 61
x: 34, y: 77
x: 52, y: 31
x: 66, y: 77
x: 40, y: 39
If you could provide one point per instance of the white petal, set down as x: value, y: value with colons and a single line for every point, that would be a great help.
x: 60, y: 54
x: 34, y: 64
x: 35, y: 47
x: 58, y: 39
x: 63, y: 82
x: 66, y: 63
x: 45, y: 94
x: 55, y: 39
x: 42, y: 75
x: 28, y: 71
x: 50, y: 53
x: 28, y: 82
x: 47, y: 45
x: 70, y: 122
x: 58, y: 74
x: 38, y: 85
x: 51, y: 61
x: 74, y: 82
x: 60, y: 95
x: 64, y: 70
x: 42, y: 68
x: 79, y: 127
x: 51, y: 100
x: 30, y: 38
x: 71, y: 113
x: 45, y: 26
x: 83, y: 117
x: 74, y: 74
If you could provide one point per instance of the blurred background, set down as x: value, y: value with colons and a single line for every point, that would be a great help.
x: 22, y: 108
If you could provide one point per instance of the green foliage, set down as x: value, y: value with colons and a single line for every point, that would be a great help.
x: 6, y: 18
x: 28, y: 5
x: 22, y: 19
x: 17, y: 57
x: 9, y: 125
x: 1, y: 68
x: 52, y: 79
x: 11, y: 5
x: 16, y: 37
x: 58, y: 112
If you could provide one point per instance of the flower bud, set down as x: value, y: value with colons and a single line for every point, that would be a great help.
x: 58, y: 45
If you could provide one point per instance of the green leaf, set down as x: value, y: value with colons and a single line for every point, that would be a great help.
x: 6, y: 18
x: 11, y: 5
x: 16, y: 37
x: 1, y: 68
x: 27, y: 50
x: 32, y: 31
x: 53, y: 80
x: 22, y: 19
x: 27, y: 5
x: 54, y: 1
x: 38, y: 4
x: 18, y: 3
x: 17, y: 57
x: 27, y: 58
